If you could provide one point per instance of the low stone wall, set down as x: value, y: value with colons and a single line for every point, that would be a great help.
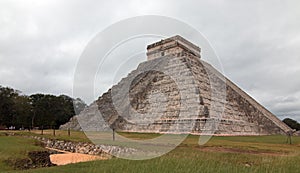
x: 83, y: 148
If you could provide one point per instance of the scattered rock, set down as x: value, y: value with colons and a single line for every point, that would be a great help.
x: 36, y: 159
x: 247, y: 165
x: 40, y: 158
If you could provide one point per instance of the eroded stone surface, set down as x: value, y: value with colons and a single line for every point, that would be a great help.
x: 177, y: 92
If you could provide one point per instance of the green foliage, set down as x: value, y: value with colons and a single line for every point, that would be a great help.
x: 292, y: 123
x: 23, y: 109
x: 37, y: 110
x: 51, y: 111
x: 10, y: 102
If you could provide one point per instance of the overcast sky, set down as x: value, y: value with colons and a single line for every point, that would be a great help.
x: 258, y: 42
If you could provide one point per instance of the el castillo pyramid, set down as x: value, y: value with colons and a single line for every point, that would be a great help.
x: 174, y: 91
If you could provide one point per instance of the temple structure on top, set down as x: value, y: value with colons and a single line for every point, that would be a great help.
x: 175, y: 46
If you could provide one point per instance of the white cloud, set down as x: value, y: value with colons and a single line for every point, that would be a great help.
x: 257, y: 42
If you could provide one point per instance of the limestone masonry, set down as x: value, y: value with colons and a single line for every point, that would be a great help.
x: 174, y: 91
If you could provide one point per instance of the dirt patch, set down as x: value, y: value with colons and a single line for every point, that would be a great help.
x: 68, y: 158
x: 64, y: 158
x: 238, y: 150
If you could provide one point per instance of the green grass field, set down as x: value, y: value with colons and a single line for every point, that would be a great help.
x: 220, y: 154
x: 13, y: 148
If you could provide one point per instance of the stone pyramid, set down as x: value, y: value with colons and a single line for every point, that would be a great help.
x: 174, y: 91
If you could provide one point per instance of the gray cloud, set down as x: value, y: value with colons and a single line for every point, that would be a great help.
x: 256, y: 41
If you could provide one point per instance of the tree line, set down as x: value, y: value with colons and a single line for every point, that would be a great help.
x: 37, y: 110
x: 293, y: 124
x: 47, y: 111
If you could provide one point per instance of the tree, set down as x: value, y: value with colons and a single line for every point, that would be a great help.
x: 64, y: 110
x: 7, y: 105
x: 23, y: 112
x: 37, y: 110
x: 51, y: 111
x: 292, y: 123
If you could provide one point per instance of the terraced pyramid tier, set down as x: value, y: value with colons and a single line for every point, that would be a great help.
x: 174, y: 91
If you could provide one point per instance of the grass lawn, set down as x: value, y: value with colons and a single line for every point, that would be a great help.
x: 12, y: 147
x: 75, y: 136
x: 220, y: 154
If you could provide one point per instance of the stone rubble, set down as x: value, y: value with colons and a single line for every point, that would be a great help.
x: 82, y: 147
